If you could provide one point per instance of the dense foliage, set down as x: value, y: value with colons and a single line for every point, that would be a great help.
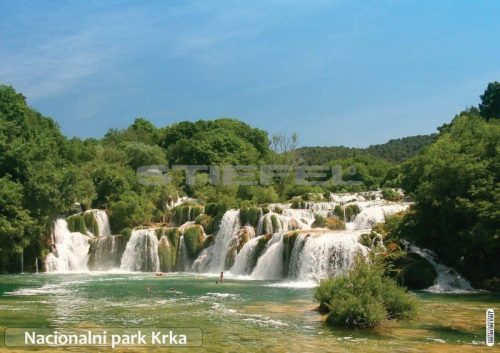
x: 364, y: 297
x: 455, y: 184
x: 396, y: 150
x: 43, y: 175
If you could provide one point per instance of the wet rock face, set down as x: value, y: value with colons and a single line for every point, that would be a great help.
x: 415, y: 272
x: 237, y: 242
x: 106, y: 252
x: 166, y: 254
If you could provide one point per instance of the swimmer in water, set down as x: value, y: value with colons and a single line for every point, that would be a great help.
x: 221, y: 276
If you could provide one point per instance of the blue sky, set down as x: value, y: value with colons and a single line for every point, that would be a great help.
x: 349, y: 73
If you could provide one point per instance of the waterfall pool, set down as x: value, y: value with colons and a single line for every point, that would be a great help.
x: 237, y: 316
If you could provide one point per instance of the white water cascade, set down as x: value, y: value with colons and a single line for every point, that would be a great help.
x: 71, y: 250
x: 447, y: 280
x: 101, y: 217
x: 373, y: 212
x: 141, y: 253
x: 328, y: 255
x: 216, y: 254
x: 270, y: 264
x: 242, y: 261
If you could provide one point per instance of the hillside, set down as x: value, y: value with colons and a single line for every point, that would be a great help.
x: 396, y: 150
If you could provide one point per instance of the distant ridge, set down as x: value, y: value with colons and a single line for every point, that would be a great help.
x: 395, y: 150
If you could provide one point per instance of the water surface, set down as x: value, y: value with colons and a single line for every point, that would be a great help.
x: 236, y: 316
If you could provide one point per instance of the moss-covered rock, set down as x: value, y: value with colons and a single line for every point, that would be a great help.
x: 76, y: 223
x: 242, y: 236
x: 348, y: 212
x: 288, y: 242
x: 259, y: 249
x: 209, y: 240
x: 415, y: 272
x: 182, y: 214
x: 194, y: 239
x: 207, y: 222
x: 298, y: 203
x: 250, y: 215
x: 167, y: 254
x: 91, y: 223
x: 371, y: 240
x: 126, y: 233
x: 216, y: 211
x: 106, y: 252
x: 333, y: 223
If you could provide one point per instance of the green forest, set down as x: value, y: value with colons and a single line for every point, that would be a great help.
x: 452, y: 177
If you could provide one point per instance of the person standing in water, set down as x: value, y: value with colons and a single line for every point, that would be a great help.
x: 221, y: 276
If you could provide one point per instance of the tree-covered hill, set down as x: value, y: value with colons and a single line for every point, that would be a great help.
x: 398, y: 150
x: 395, y: 150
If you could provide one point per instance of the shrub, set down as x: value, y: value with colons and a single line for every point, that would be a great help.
x: 391, y: 195
x: 364, y: 297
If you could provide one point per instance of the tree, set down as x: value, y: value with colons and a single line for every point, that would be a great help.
x: 456, y: 186
x: 130, y: 210
x: 490, y: 101
x: 16, y: 224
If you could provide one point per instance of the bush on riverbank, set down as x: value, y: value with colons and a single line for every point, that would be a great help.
x: 364, y: 297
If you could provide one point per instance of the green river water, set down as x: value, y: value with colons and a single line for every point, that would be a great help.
x: 236, y: 316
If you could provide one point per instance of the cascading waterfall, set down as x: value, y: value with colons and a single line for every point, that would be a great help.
x: 101, y: 217
x: 293, y: 266
x: 282, y: 245
x: 216, y: 254
x: 71, y: 250
x: 289, y: 219
x: 447, y: 280
x: 141, y: 253
x: 373, y: 212
x: 242, y: 261
x: 270, y: 264
x: 106, y: 252
x: 328, y: 255
x: 185, y: 264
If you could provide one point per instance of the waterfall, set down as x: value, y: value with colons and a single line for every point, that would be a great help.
x: 289, y: 219
x: 293, y: 267
x: 36, y: 264
x: 373, y: 212
x: 216, y: 254
x: 270, y: 264
x: 106, y: 252
x: 102, y: 220
x: 185, y: 263
x: 328, y: 255
x: 141, y: 253
x: 242, y: 261
x: 447, y: 280
x: 71, y: 250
